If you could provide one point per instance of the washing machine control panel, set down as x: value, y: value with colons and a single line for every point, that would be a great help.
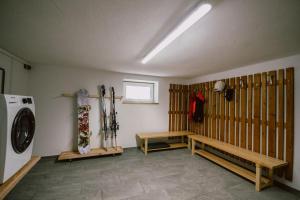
x: 26, y: 100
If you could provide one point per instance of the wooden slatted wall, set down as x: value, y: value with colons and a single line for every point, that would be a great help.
x: 260, y: 118
x: 178, y: 107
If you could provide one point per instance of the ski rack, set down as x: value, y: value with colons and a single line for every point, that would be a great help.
x: 90, y: 96
x: 71, y: 155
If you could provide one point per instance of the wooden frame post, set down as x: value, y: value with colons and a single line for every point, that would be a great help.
x: 271, y: 176
x: 258, y: 178
x: 193, y: 147
x: 146, y: 146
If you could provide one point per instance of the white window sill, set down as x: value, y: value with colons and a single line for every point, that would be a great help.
x: 138, y: 102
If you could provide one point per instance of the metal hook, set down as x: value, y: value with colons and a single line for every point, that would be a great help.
x: 242, y: 83
x: 270, y: 79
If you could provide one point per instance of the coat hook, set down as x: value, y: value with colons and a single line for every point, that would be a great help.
x: 242, y: 83
x: 270, y: 79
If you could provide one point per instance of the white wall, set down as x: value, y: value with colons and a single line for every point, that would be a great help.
x: 16, y: 81
x: 292, y: 61
x: 55, y: 115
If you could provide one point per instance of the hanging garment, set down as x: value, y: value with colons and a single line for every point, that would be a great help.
x: 192, y: 106
x: 196, y: 107
x: 199, y: 108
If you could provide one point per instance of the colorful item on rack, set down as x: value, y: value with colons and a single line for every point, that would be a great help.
x: 196, y: 107
x: 83, y: 121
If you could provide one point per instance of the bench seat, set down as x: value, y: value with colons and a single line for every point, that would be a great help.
x: 145, y: 137
x: 254, y: 157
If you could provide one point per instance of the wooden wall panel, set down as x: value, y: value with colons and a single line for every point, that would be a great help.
x: 218, y: 115
x: 222, y: 117
x: 289, y: 121
x: 256, y: 133
x: 259, y: 118
x: 250, y: 93
x: 206, y: 105
x: 213, y: 129
x: 227, y: 116
x: 232, y: 114
x: 280, y: 114
x: 264, y: 113
x: 237, y: 111
x: 272, y: 113
x: 243, y: 110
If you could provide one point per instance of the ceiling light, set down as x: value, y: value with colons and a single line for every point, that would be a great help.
x: 197, y: 14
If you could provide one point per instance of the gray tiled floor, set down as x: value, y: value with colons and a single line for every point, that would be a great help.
x: 132, y: 176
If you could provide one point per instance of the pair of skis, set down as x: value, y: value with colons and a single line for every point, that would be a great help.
x: 114, y: 126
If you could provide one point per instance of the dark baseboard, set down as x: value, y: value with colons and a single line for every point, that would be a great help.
x: 287, y: 188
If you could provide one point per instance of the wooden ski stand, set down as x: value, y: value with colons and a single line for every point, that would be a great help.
x: 70, y: 155
x: 8, y: 185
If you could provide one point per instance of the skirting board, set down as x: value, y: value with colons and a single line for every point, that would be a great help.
x: 7, y: 186
x: 70, y: 155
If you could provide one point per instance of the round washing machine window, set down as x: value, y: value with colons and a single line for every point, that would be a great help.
x: 22, y: 130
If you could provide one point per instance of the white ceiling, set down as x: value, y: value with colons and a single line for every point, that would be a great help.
x: 115, y: 34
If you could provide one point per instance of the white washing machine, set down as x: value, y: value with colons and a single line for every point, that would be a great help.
x: 17, y: 125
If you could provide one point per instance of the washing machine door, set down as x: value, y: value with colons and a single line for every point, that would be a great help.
x: 22, y: 130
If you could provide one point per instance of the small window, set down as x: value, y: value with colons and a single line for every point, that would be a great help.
x: 137, y: 91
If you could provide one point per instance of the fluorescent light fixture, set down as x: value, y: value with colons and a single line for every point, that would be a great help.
x: 197, y: 14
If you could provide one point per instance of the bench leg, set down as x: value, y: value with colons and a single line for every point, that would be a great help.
x: 258, y: 178
x: 146, y: 146
x: 193, y: 146
x: 189, y: 142
x: 271, y: 176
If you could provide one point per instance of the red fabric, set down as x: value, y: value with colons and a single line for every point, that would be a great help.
x: 200, y: 96
x: 192, y: 106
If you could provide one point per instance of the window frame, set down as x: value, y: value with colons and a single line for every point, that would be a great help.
x: 153, y: 85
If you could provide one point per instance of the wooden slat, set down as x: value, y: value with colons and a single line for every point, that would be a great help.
x: 209, y: 109
x: 289, y: 122
x: 189, y: 121
x: 70, y: 155
x: 272, y: 113
x: 180, y: 109
x: 184, y: 98
x: 222, y: 114
x: 213, y: 130
x: 237, y: 111
x: 257, y: 106
x: 177, y: 107
x: 8, y: 185
x: 264, y: 112
x: 280, y: 113
x: 249, y: 126
x: 232, y: 114
x: 173, y: 109
x: 218, y: 114
x: 243, y: 110
x: 170, y: 103
x: 206, y: 104
x: 227, y: 116
x: 152, y: 135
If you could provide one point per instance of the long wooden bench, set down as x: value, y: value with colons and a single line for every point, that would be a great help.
x: 145, y: 137
x: 261, y: 161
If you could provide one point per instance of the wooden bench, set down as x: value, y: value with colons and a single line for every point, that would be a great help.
x: 261, y: 161
x: 145, y: 137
